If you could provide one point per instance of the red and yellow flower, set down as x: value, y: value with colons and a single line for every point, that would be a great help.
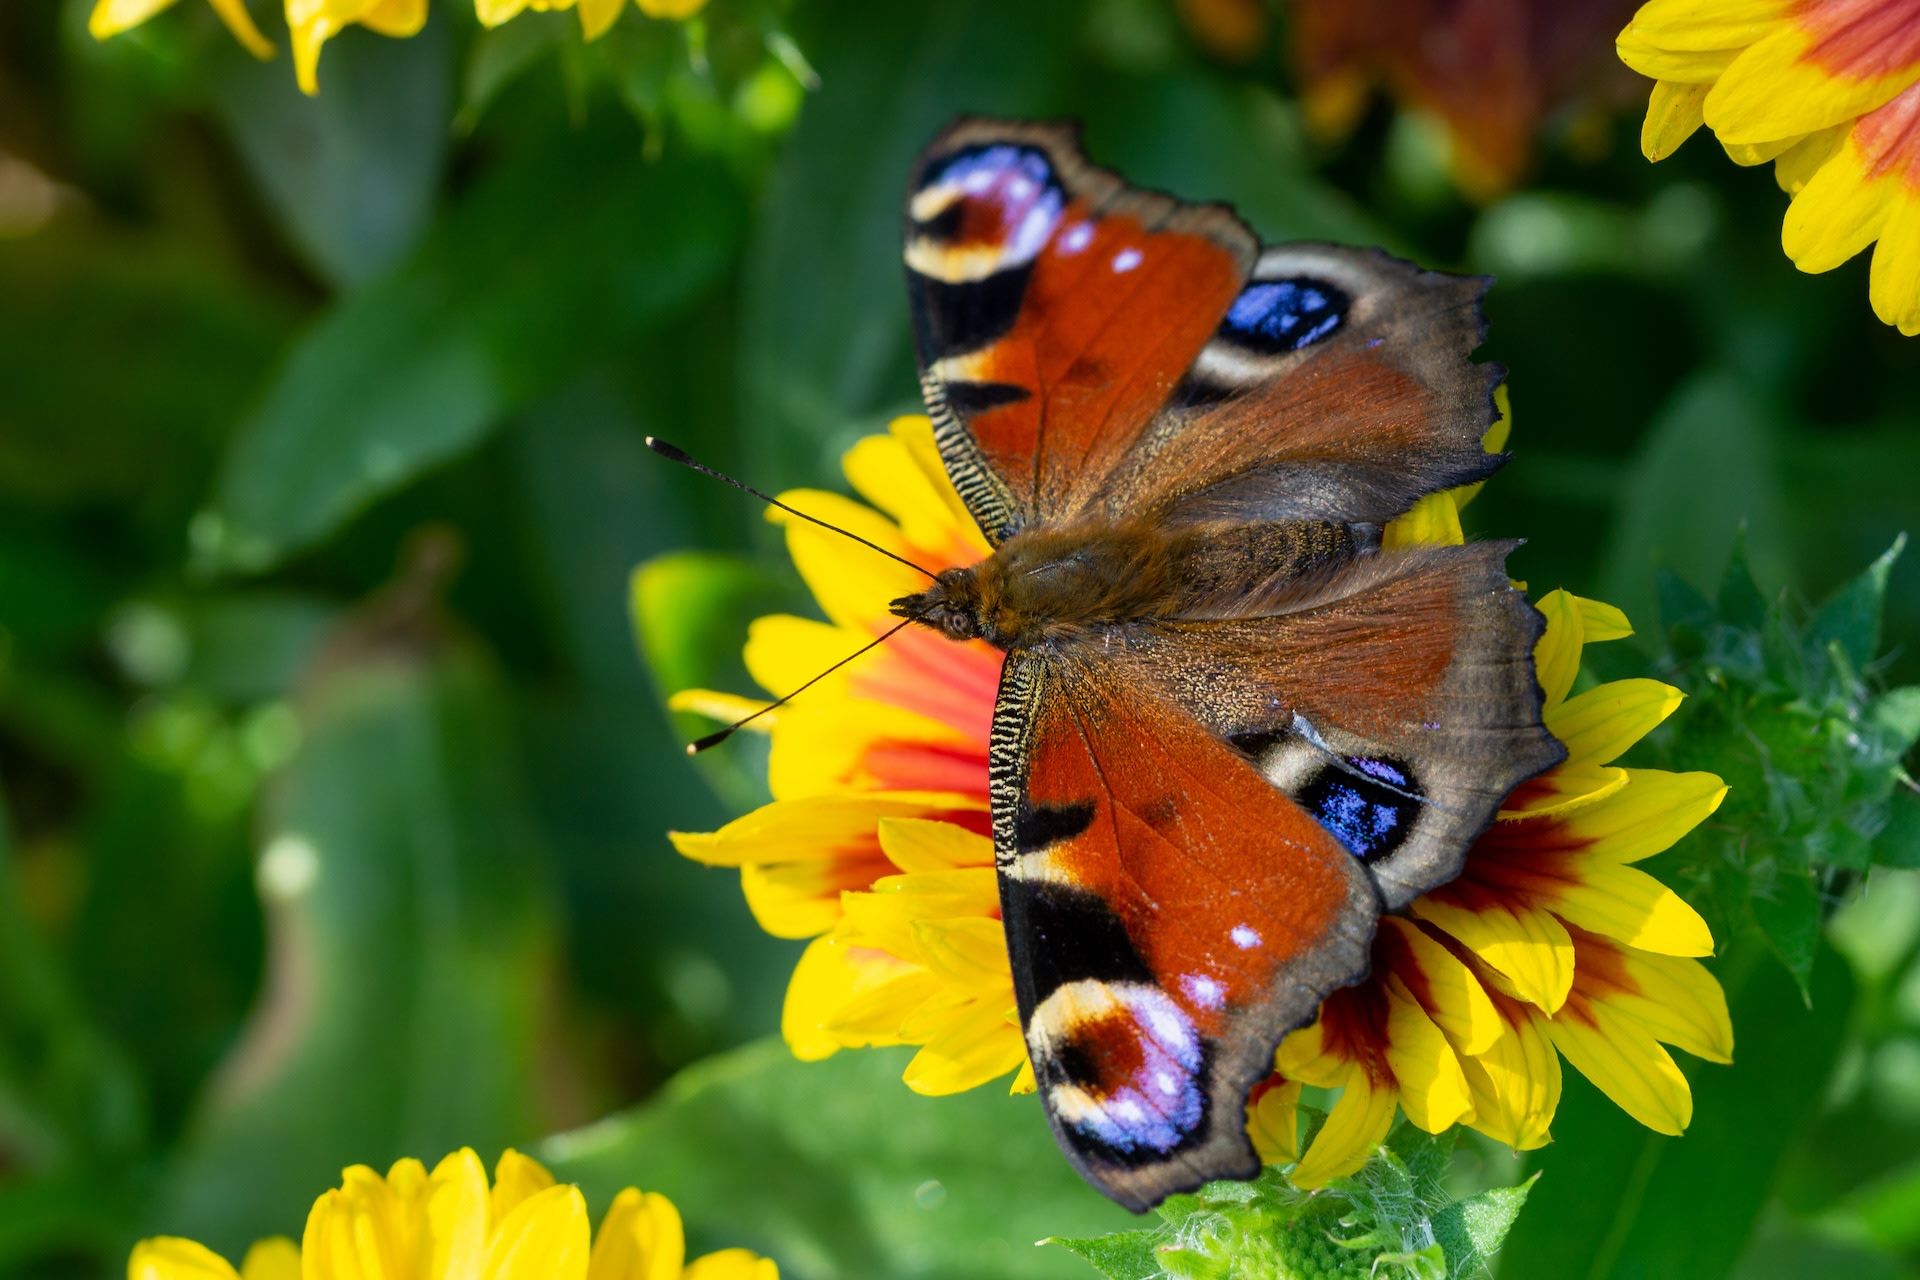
x: 1829, y: 90
x: 1551, y: 944
x: 448, y: 1224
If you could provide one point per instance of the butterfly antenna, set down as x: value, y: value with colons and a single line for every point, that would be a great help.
x: 673, y: 453
x: 719, y: 736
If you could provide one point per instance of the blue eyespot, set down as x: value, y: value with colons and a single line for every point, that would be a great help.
x: 1369, y: 806
x: 1275, y: 316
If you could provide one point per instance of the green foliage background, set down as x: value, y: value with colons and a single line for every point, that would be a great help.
x: 335, y: 789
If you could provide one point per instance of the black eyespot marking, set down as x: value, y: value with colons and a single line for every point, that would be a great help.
x: 952, y: 319
x: 1068, y: 936
x: 1277, y: 316
x: 1040, y: 825
x: 1370, y: 806
x: 1257, y: 743
x: 970, y: 398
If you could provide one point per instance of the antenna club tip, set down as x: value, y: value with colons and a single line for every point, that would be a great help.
x: 693, y: 748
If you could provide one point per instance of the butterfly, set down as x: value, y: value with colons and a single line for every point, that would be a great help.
x: 1232, y: 727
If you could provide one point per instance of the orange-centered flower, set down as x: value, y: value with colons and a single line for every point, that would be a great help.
x: 1551, y: 943
x: 1829, y: 90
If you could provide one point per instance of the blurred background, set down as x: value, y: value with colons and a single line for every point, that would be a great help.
x: 335, y: 783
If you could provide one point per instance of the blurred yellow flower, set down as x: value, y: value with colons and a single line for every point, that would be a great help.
x: 1829, y: 90
x: 314, y: 22
x: 876, y: 846
x: 449, y: 1225
x: 111, y: 17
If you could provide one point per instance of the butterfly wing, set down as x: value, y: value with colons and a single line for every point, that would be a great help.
x: 1170, y: 916
x: 1089, y: 346
x: 1397, y: 702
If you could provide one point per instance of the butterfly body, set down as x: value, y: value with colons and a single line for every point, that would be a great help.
x: 1055, y: 588
x: 1234, y: 725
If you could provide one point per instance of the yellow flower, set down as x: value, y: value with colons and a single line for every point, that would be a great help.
x: 314, y: 22
x: 111, y: 17
x: 1829, y: 90
x: 449, y: 1225
x: 1550, y: 944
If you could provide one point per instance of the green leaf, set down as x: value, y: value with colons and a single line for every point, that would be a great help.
x: 1788, y: 913
x: 1898, y: 844
x: 1124, y: 1255
x: 836, y: 1168
x: 1472, y: 1231
x: 1713, y: 425
x: 1850, y: 617
x: 1617, y: 1200
x: 411, y: 929
x: 350, y: 172
x: 424, y: 363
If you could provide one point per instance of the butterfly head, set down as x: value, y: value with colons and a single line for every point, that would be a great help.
x: 951, y: 606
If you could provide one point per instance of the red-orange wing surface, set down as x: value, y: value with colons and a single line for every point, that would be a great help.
x: 1089, y: 346
x: 1170, y: 915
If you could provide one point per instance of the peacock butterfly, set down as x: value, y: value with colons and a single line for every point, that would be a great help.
x: 1233, y: 727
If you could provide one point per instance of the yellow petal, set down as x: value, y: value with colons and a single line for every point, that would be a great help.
x: 890, y: 472
x: 888, y: 916
x: 110, y: 18
x: 1627, y: 1064
x: 1604, y: 721
x: 1837, y: 213
x: 494, y: 12
x: 515, y: 1179
x: 1679, y: 1003
x: 670, y: 8
x: 275, y: 1258
x: 1303, y: 1056
x: 311, y: 27
x: 924, y: 844
x: 1773, y: 90
x: 970, y: 953
x: 1705, y: 24
x: 1894, y: 288
x: 896, y: 993
x: 545, y: 1238
x: 1681, y: 68
x: 784, y: 652
x: 853, y: 584
x: 823, y: 981
x: 1434, y: 521
x: 1273, y: 1122
x: 810, y: 829
x: 1515, y: 1083
x: 1023, y: 1081
x: 1564, y: 788
x: 597, y: 17
x: 1526, y: 946
x: 171, y: 1258
x: 724, y: 707
x: 1627, y: 904
x: 641, y: 1238
x: 1673, y: 115
x: 234, y: 14
x: 398, y: 18
x: 1647, y: 815
x: 732, y: 1264
x: 457, y: 1215
x: 1433, y: 1089
x: 973, y: 1045
x: 1796, y: 166
x: 1601, y: 621
x: 1748, y: 154
x: 1355, y: 1128
x: 1556, y: 655
x: 1444, y: 987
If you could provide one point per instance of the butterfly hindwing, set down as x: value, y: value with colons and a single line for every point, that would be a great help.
x: 1170, y: 916
x: 1397, y: 702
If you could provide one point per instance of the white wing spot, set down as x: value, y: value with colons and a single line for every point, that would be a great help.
x: 1244, y: 938
x: 1077, y: 237
x: 1125, y: 261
